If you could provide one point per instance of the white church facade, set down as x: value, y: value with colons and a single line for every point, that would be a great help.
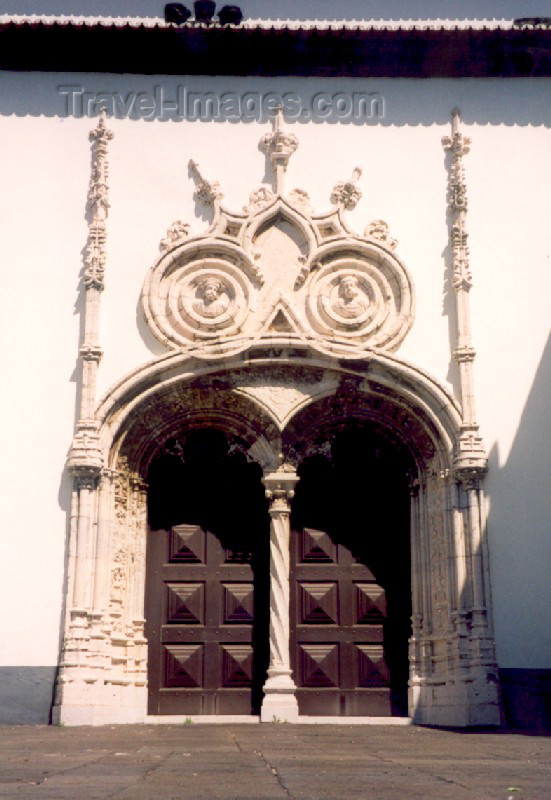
x: 278, y: 357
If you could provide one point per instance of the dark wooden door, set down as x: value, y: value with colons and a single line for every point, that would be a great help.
x: 201, y: 629
x: 207, y: 578
x: 338, y: 612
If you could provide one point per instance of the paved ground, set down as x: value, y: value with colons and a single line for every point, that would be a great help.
x: 268, y: 762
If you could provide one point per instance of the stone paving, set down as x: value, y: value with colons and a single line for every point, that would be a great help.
x: 268, y: 762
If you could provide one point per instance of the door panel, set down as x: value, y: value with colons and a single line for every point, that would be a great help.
x: 200, y: 623
x: 337, y: 616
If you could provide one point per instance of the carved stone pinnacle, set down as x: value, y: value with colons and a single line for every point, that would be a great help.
x: 279, y: 146
x: 207, y: 192
x: 346, y: 193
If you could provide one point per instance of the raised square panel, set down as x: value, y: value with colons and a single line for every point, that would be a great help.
x: 187, y: 544
x: 237, y: 665
x: 238, y: 603
x: 183, y: 665
x: 317, y: 547
x: 319, y: 664
x: 319, y: 603
x: 372, y: 668
x: 370, y: 603
x: 186, y: 603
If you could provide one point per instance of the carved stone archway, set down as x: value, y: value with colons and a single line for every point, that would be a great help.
x: 272, y: 407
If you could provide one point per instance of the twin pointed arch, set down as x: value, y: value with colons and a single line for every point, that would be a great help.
x: 273, y: 405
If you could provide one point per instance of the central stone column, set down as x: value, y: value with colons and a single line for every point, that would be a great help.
x: 280, y: 703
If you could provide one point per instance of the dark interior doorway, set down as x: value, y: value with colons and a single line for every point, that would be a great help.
x: 350, y: 575
x: 207, y: 582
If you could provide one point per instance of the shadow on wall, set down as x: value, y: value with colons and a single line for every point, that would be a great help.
x: 236, y: 100
x: 520, y: 555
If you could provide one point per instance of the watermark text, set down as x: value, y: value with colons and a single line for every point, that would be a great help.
x: 180, y: 102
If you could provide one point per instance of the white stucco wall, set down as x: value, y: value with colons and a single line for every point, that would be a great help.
x: 46, y: 166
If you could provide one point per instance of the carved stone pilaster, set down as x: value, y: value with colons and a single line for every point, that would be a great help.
x: 471, y: 451
x: 85, y: 477
x: 279, y: 702
x: 85, y: 456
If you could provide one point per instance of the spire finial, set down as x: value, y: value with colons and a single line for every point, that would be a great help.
x: 207, y: 192
x: 279, y: 146
x: 346, y: 194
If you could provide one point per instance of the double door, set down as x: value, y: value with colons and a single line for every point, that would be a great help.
x: 208, y: 627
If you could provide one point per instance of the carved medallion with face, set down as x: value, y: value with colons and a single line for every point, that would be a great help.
x: 211, y: 298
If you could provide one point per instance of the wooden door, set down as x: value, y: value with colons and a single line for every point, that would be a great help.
x: 207, y: 578
x: 338, y: 613
x: 206, y: 655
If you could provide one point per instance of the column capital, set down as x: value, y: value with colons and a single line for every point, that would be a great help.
x: 86, y: 476
x: 470, y: 476
x: 280, y: 487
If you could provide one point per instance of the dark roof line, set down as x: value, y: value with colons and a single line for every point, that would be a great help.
x: 309, y: 52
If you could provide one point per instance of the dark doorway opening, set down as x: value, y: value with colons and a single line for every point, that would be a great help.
x: 207, y: 581
x: 351, y: 575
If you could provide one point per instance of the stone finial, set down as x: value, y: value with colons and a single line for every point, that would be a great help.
x: 207, y: 192
x: 279, y: 146
x: 346, y: 193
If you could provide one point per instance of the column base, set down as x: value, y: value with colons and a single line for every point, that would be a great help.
x: 280, y: 703
x: 279, y: 707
